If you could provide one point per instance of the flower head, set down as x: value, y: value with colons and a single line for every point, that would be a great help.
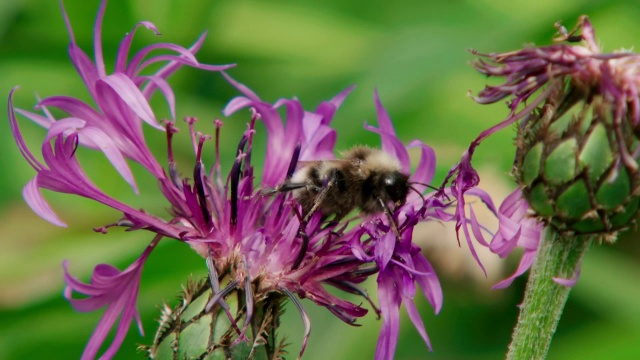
x: 253, y: 233
x: 576, y: 160
x: 302, y: 258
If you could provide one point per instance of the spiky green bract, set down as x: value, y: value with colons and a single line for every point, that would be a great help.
x: 189, y: 331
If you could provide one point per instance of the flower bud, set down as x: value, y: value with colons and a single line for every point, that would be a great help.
x: 568, y: 162
x: 577, y: 139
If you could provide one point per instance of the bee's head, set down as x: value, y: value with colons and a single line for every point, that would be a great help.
x: 396, y: 187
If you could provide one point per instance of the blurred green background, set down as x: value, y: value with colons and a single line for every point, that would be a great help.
x: 413, y: 52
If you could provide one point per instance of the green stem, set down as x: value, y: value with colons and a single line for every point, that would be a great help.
x: 558, y: 256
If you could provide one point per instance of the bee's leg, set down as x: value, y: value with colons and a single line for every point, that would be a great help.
x: 387, y: 212
x: 333, y: 179
x: 303, y: 222
x: 284, y: 187
x: 288, y: 186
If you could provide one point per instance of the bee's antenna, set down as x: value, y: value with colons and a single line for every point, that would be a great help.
x: 333, y: 178
x: 286, y: 186
x: 268, y: 192
x: 423, y: 184
x: 419, y: 194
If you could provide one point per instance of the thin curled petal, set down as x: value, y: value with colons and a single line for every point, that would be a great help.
x: 528, y: 257
x: 108, y: 147
x: 118, y: 292
x: 389, y: 305
x: 125, y: 44
x: 568, y: 282
x: 128, y: 92
x: 38, y: 204
x: 429, y: 284
x: 416, y: 319
x: 390, y: 142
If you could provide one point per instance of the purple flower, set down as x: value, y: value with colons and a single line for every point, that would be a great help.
x: 334, y: 256
x: 254, y: 235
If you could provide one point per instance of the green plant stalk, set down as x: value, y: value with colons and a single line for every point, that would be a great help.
x: 558, y: 256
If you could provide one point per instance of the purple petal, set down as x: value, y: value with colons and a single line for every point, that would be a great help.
x: 328, y: 109
x: 128, y: 92
x: 358, y: 250
x: 72, y: 106
x: 125, y: 45
x: 111, y: 151
x: 384, y: 120
x: 17, y: 135
x: 116, y: 290
x: 416, y: 319
x: 184, y: 56
x: 390, y: 142
x: 85, y: 67
x: 476, y: 228
x: 429, y: 284
x: 97, y: 39
x: 384, y: 249
x: 516, y: 228
x: 170, y: 58
x: 502, y: 245
x: 305, y: 320
x: 320, y: 142
x: 166, y: 90
x: 484, y: 197
x: 173, y: 66
x: 63, y: 126
x: 36, y: 202
x: 241, y: 87
x: 528, y: 257
x: 43, y: 121
x: 236, y: 104
x: 427, y: 165
x: 389, y: 306
x: 568, y: 282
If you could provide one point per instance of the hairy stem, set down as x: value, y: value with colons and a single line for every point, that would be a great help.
x: 558, y: 256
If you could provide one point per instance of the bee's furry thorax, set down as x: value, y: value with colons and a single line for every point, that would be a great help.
x: 365, y: 178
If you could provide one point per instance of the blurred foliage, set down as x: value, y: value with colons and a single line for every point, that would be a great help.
x: 412, y: 51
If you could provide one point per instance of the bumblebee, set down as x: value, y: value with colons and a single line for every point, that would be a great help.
x: 365, y: 178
